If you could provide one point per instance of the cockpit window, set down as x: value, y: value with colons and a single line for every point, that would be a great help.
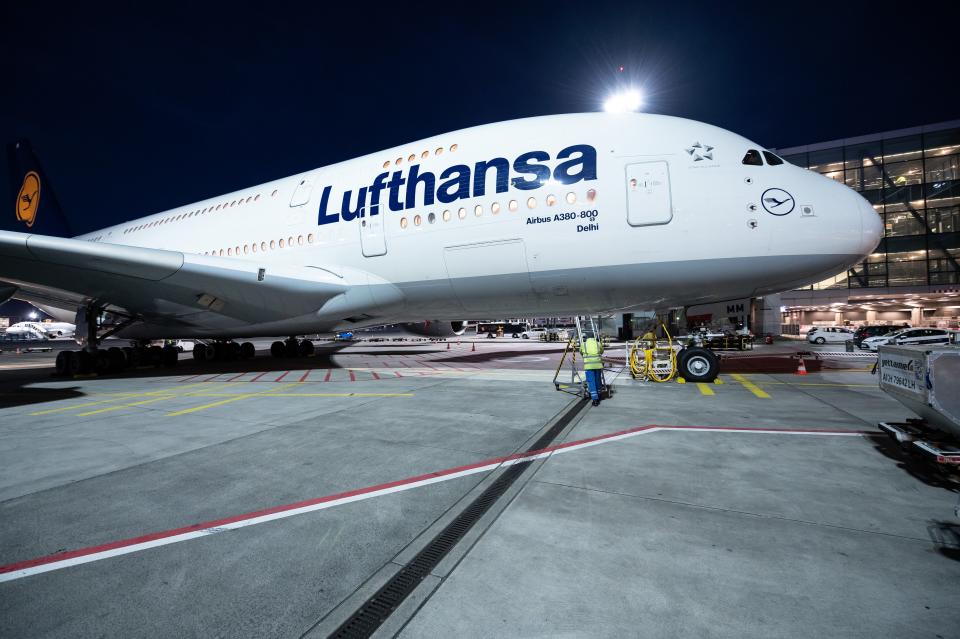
x: 772, y: 159
x: 753, y: 158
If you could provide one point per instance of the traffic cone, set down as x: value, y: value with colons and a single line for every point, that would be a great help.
x: 801, y: 369
x: 474, y: 347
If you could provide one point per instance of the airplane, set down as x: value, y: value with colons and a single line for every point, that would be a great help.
x: 543, y: 216
x: 42, y: 330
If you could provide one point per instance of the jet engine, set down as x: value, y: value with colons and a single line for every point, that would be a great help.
x: 436, y: 328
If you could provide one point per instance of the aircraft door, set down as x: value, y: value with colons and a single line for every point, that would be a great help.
x: 648, y: 194
x: 373, y: 239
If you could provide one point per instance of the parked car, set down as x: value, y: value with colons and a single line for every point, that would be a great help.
x: 912, y: 336
x: 532, y: 333
x: 833, y: 334
x: 877, y: 330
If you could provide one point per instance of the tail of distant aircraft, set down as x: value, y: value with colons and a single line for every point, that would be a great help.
x: 36, y: 209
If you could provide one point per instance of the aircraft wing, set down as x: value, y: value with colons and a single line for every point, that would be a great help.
x: 170, y: 287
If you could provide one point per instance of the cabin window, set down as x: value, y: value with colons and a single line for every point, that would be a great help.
x: 495, y: 208
x: 453, y: 147
x: 513, y: 206
x: 403, y: 222
x: 438, y: 151
x: 551, y: 200
x: 462, y: 213
x: 446, y: 216
x: 417, y: 219
x: 282, y: 244
x: 772, y: 160
x: 432, y: 218
x: 386, y: 164
x: 424, y: 155
x: 398, y: 161
x: 273, y: 244
x: 253, y: 247
x: 263, y: 246
x: 752, y: 158
x: 571, y: 198
x: 413, y: 156
x: 310, y: 238
x: 246, y: 249
x: 591, y: 195
x: 531, y: 203
x: 300, y: 240
x: 478, y: 210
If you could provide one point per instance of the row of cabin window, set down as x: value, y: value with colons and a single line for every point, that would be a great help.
x: 513, y: 205
x: 263, y: 246
x: 413, y: 156
x: 183, y: 216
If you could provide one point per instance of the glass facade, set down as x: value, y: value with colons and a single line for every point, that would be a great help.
x: 913, y: 182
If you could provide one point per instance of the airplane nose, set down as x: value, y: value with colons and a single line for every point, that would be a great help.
x: 871, y: 226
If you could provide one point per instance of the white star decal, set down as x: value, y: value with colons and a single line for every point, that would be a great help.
x: 700, y: 152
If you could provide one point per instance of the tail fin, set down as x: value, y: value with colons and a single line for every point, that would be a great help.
x: 36, y: 209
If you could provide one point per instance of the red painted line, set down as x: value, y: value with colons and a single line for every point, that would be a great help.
x: 259, y: 376
x: 282, y: 376
x: 191, y: 377
x: 427, y: 365
x: 353, y: 376
x: 47, y: 559
x: 397, y: 373
x: 326, y: 378
x: 238, y: 376
x: 374, y: 373
x: 304, y: 377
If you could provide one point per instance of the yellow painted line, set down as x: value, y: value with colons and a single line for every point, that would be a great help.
x: 718, y: 380
x: 306, y: 395
x: 119, y: 397
x: 122, y: 406
x: 750, y: 386
x: 705, y: 388
x: 234, y: 398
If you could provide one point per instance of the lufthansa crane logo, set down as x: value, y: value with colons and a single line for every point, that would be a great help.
x: 777, y: 201
x: 28, y: 200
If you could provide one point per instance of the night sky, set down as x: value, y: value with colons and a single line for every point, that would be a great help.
x: 139, y: 109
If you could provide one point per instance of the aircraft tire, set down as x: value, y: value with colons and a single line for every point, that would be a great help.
x: 278, y: 349
x: 306, y: 348
x: 292, y: 347
x: 83, y: 363
x: 132, y: 356
x: 62, y: 365
x: 117, y: 358
x: 155, y: 355
x: 101, y: 362
x: 169, y: 356
x: 201, y: 352
x: 698, y: 364
x: 247, y: 350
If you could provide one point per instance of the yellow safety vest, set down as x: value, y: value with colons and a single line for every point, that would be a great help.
x: 591, y: 350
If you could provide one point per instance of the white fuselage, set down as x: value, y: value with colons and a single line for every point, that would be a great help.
x: 42, y: 330
x: 574, y: 214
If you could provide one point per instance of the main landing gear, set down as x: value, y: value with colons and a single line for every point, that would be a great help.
x: 292, y: 347
x: 93, y: 359
x: 224, y: 351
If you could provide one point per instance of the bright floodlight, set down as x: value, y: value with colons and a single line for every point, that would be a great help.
x: 623, y: 102
x: 33, y: 315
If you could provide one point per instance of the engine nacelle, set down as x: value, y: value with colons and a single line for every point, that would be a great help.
x: 436, y: 328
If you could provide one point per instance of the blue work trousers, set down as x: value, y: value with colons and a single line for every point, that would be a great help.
x: 594, y: 382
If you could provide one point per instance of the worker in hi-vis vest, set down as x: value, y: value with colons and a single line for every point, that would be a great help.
x: 593, y: 367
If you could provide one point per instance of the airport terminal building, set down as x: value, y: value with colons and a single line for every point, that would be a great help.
x: 912, y: 178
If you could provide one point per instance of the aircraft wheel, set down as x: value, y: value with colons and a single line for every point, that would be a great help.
x: 116, y: 358
x: 292, y: 347
x: 63, y: 363
x: 278, y: 350
x: 100, y: 361
x: 84, y: 363
x: 698, y: 364
x: 200, y: 353
x: 131, y: 356
x: 155, y: 355
x: 169, y: 356
x: 306, y: 348
x: 247, y: 350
